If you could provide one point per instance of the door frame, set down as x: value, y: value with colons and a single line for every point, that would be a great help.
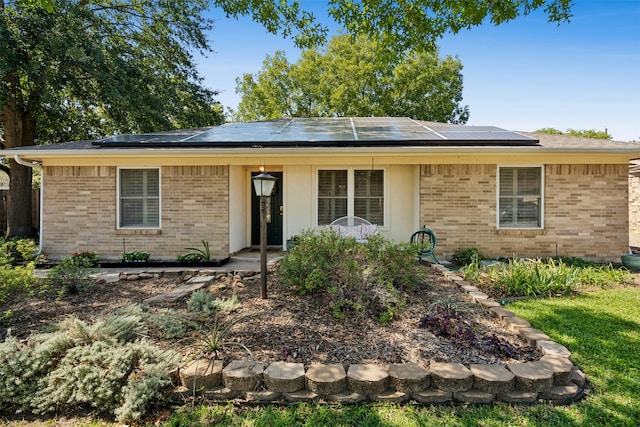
x: 251, y: 197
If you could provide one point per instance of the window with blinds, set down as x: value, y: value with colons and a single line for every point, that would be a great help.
x: 368, y: 202
x: 520, y: 197
x: 332, y: 195
x: 350, y: 192
x: 139, y: 198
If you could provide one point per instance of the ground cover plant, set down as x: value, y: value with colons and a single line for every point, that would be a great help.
x: 541, y: 277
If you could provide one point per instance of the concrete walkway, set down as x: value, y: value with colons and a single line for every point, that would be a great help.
x: 245, y: 260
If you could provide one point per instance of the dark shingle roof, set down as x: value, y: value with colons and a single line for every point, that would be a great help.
x: 301, y: 133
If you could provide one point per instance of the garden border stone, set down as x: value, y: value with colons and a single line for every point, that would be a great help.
x: 553, y: 378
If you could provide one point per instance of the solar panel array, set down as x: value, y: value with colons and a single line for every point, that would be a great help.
x: 330, y: 131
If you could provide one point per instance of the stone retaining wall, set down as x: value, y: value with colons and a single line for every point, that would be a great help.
x: 552, y: 378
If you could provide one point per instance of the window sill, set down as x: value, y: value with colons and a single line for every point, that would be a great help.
x: 520, y: 231
x: 137, y: 231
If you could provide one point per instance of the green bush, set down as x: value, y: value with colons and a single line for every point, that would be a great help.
x: 71, y: 276
x: 87, y: 258
x: 203, y: 302
x: 465, y: 256
x: 362, y: 279
x: 17, y: 250
x: 164, y: 323
x: 105, y: 366
x: 16, y: 281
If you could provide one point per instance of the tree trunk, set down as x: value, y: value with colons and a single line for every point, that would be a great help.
x: 19, y: 131
x: 20, y: 206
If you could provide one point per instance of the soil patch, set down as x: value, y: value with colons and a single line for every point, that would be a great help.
x: 295, y: 328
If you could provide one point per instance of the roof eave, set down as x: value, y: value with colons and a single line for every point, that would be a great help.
x: 35, y: 154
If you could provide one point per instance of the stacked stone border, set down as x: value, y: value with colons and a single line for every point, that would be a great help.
x: 553, y: 378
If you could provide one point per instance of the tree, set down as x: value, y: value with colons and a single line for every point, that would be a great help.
x: 354, y: 79
x: 418, y: 24
x: 89, y: 69
x: 583, y: 133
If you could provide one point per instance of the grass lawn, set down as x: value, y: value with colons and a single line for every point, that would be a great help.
x: 601, y: 328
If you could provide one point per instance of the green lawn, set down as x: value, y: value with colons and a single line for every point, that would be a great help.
x: 601, y: 328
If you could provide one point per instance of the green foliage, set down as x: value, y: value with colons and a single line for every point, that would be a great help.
x: 420, y: 24
x: 94, y: 69
x: 197, y: 254
x: 71, y: 276
x: 16, y: 281
x: 87, y: 258
x: 17, y: 250
x: 202, y: 302
x: 135, y: 256
x: 162, y: 323
x: 214, y: 336
x: 465, y: 256
x: 105, y: 366
x: 584, y: 133
x: 354, y: 78
x: 362, y: 279
x: 6, y: 317
x: 536, y: 277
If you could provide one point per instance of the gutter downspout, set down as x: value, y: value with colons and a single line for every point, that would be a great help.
x: 33, y: 165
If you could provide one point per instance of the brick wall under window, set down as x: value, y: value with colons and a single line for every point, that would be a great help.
x: 585, y: 209
x: 80, y: 212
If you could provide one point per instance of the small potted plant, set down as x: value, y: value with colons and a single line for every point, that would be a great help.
x: 135, y: 256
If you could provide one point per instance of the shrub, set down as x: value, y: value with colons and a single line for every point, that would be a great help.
x: 362, y: 279
x: 106, y: 366
x: 71, y: 276
x: 203, y: 302
x: 17, y: 250
x: 87, y: 258
x: 119, y: 378
x: 444, y: 319
x: 163, y: 322
x: 465, y: 256
x: 197, y: 254
x: 16, y: 281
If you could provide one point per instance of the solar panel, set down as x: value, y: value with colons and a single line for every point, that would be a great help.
x: 328, y: 131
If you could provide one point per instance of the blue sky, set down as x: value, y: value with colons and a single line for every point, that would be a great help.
x: 522, y: 76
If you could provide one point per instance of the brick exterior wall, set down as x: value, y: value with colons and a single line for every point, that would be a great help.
x: 634, y: 204
x: 586, y: 212
x: 80, y: 212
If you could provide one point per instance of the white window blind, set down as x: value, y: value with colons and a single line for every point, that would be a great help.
x: 368, y: 201
x: 140, y: 198
x: 350, y: 192
x: 520, y: 197
x: 332, y: 195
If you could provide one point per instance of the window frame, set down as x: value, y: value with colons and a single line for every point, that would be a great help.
x: 351, y: 190
x: 541, y: 197
x: 119, y: 225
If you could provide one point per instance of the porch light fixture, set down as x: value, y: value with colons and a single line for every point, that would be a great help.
x: 263, y: 185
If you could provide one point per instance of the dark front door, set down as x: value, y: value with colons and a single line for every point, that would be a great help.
x: 274, y: 213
